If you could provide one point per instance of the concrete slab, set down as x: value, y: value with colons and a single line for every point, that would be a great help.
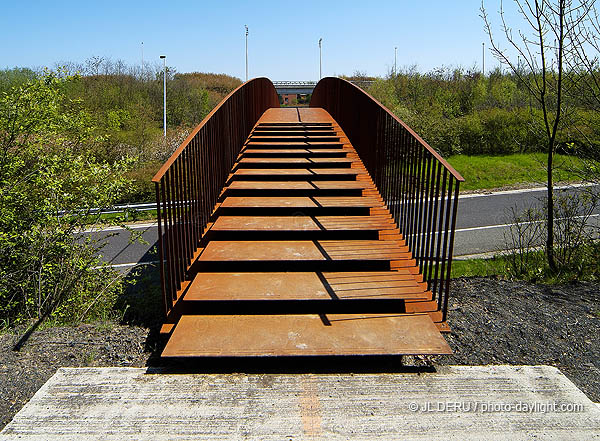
x: 456, y: 403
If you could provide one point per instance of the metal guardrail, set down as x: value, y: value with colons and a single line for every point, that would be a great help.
x: 294, y: 83
x: 189, y: 183
x: 406, y: 169
x: 312, y: 84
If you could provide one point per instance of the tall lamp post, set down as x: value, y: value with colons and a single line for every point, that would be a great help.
x: 246, y: 52
x: 164, y: 58
x: 395, y: 56
x: 483, y: 58
x: 320, y: 60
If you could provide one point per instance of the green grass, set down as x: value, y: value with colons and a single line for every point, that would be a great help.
x: 479, y: 267
x: 533, y: 267
x: 484, y: 172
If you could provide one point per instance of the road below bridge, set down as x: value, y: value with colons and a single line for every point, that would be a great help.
x: 483, y: 220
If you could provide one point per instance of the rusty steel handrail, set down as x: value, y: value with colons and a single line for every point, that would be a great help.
x: 419, y: 187
x: 189, y: 183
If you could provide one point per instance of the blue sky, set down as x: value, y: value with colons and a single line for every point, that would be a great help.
x: 208, y: 36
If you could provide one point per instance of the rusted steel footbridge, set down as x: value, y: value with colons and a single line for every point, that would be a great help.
x: 325, y: 230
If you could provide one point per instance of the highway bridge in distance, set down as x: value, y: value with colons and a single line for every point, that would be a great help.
x: 306, y: 87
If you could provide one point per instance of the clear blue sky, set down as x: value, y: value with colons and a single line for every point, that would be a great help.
x: 208, y: 36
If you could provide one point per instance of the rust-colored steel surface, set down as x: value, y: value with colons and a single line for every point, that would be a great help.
x: 189, y: 183
x: 301, y: 256
x: 418, y: 186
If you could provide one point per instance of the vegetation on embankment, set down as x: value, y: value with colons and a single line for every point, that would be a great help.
x: 530, y: 266
x: 487, y: 172
x: 125, y: 107
x: 465, y: 112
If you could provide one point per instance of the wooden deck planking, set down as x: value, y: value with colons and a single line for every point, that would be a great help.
x: 305, y: 335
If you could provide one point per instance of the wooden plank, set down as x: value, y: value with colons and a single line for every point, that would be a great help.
x: 301, y: 286
x: 332, y: 153
x: 291, y: 138
x: 299, y: 223
x: 280, y: 115
x: 268, y: 202
x: 296, y: 185
x: 293, y: 126
x: 244, y: 251
x: 301, y: 250
x: 295, y: 173
x: 270, y: 185
x: 265, y: 223
x: 293, y: 162
x: 293, y: 132
x: 284, y: 172
x: 334, y: 171
x: 304, y: 335
x: 288, y: 145
x: 332, y: 160
x: 346, y: 201
x: 314, y: 114
x: 338, y: 185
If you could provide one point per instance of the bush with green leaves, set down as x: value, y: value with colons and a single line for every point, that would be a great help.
x: 50, y: 182
x: 576, y: 248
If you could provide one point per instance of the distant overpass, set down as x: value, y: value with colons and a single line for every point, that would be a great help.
x: 306, y: 87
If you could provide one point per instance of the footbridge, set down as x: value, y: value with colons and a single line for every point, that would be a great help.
x: 314, y: 231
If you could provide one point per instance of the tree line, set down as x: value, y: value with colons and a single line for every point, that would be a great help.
x: 462, y: 111
x: 124, y: 105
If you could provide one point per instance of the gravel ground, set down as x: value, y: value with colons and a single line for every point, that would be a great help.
x: 493, y: 322
x: 497, y: 321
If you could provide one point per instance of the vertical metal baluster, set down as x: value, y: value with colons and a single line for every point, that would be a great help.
x: 173, y: 268
x: 451, y: 250
x: 167, y: 302
x: 440, y: 232
x: 443, y: 275
x: 425, y: 220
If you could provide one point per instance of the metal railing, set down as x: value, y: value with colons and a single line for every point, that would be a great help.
x: 189, y: 183
x: 419, y: 187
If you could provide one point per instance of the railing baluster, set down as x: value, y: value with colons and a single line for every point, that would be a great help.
x: 409, y: 175
x: 188, y: 184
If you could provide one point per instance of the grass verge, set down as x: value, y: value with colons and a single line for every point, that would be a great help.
x: 485, y: 172
x: 479, y: 267
x: 533, y: 267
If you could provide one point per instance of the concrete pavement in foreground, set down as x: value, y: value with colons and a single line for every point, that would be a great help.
x: 455, y: 403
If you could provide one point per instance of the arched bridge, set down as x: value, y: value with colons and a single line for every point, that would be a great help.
x: 325, y: 230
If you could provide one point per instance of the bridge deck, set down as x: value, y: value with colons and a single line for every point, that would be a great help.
x: 302, y: 257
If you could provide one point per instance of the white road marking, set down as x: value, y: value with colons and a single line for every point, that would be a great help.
x: 118, y: 228
x: 486, y: 227
x: 522, y: 190
x: 124, y: 265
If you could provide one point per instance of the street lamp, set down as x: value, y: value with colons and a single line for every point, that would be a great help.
x: 395, y: 56
x: 320, y: 59
x: 164, y: 58
x: 246, y: 26
x: 483, y: 58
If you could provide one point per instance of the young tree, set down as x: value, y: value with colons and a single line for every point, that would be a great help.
x: 539, y: 58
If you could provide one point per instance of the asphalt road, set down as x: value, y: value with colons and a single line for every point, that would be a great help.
x: 483, y: 220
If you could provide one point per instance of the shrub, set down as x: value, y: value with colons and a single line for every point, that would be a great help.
x: 49, y: 182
